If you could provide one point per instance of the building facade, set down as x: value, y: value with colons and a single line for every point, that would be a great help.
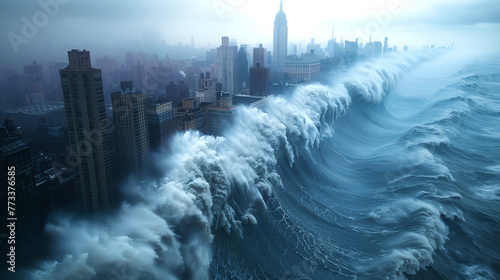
x: 88, y: 134
x: 132, y: 133
x: 280, y: 44
x: 227, y: 66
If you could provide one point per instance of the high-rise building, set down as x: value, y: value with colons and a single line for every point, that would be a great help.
x: 259, y: 56
x: 259, y: 80
x: 386, y: 46
x: 34, y: 70
x: 206, y: 89
x: 131, y: 130
x: 377, y: 49
x: 16, y: 167
x: 280, y: 44
x: 227, y: 66
x: 242, y: 69
x: 88, y: 135
x: 315, y: 49
x: 351, y: 51
x: 161, y: 123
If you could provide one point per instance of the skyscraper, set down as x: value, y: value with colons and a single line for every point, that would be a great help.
x: 131, y: 130
x: 88, y: 135
x: 243, y: 78
x: 259, y: 56
x: 280, y: 43
x: 227, y: 66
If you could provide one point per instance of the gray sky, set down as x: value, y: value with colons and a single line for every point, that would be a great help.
x: 127, y: 23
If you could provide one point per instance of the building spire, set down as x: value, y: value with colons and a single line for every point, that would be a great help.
x: 281, y: 6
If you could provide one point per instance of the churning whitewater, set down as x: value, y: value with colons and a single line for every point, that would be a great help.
x: 408, y: 186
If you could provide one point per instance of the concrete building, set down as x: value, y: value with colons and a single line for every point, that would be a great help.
x: 206, y: 89
x: 280, y: 44
x: 191, y: 116
x: 259, y: 56
x: 259, y: 80
x: 15, y: 162
x: 227, y: 66
x: 351, y: 51
x: 132, y: 133
x: 87, y: 129
x: 377, y: 49
x: 243, y: 78
x: 220, y: 117
x: 305, y: 69
x: 161, y: 124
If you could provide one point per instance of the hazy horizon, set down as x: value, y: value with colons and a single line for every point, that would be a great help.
x: 114, y: 27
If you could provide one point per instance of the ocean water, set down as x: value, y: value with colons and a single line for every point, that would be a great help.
x: 391, y: 170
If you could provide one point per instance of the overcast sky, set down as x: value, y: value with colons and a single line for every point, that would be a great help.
x: 98, y: 23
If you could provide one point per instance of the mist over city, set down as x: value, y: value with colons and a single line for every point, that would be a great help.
x: 237, y: 139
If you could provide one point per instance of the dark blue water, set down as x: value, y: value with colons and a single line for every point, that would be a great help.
x: 392, y: 171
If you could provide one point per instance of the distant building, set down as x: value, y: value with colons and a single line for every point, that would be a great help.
x: 84, y: 104
x: 305, y: 69
x: 259, y: 56
x: 315, y: 49
x: 131, y: 131
x: 243, y: 78
x: 280, y: 44
x: 34, y: 70
x: 351, y: 51
x: 227, y: 66
x: 377, y: 49
x: 176, y: 92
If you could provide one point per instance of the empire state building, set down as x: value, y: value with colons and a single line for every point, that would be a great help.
x: 280, y: 43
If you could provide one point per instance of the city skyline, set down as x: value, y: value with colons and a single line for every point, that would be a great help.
x: 62, y: 25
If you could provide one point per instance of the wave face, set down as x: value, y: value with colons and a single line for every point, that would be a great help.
x: 390, y: 172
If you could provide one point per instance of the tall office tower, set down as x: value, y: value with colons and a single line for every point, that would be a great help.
x: 108, y: 69
x: 131, y: 130
x: 280, y: 44
x: 377, y: 49
x: 206, y: 89
x: 227, y: 66
x: 242, y: 69
x: 351, y: 51
x: 88, y: 135
x: 386, y: 46
x: 259, y: 56
x: 332, y: 44
x: 34, y: 70
x: 315, y: 49
x: 259, y: 80
x: 161, y: 123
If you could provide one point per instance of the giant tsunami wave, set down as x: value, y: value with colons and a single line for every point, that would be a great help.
x: 395, y: 193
